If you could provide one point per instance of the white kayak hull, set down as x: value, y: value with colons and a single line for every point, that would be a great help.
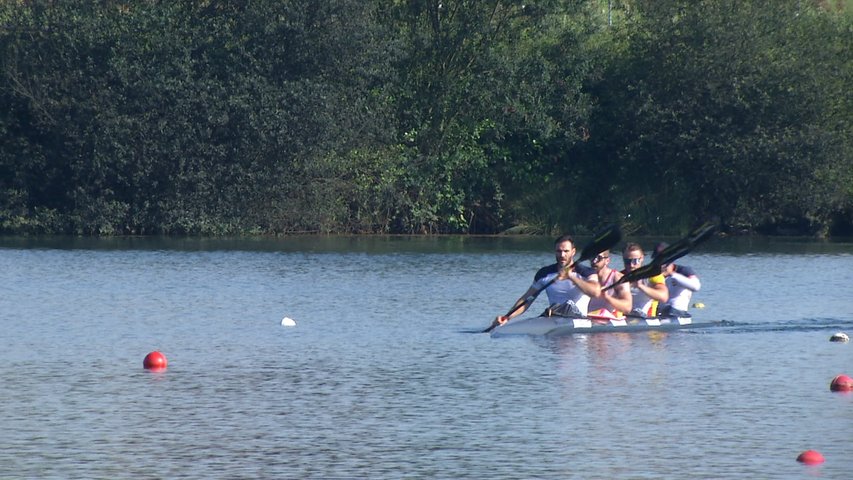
x: 555, y: 326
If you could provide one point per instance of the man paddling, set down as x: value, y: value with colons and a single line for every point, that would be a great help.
x: 568, y: 287
x: 681, y: 282
x: 646, y: 293
x: 614, y: 302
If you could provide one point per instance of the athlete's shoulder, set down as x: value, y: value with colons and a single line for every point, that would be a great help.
x: 548, y: 270
x: 659, y: 278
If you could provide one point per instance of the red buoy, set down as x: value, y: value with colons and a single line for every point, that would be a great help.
x: 155, y: 361
x: 841, y: 383
x: 810, y: 457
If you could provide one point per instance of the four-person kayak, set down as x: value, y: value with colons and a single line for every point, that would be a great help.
x: 556, y: 325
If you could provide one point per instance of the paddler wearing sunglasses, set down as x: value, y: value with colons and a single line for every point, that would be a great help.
x: 647, y: 293
x: 614, y: 302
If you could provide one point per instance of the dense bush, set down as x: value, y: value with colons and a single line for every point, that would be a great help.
x: 420, y: 116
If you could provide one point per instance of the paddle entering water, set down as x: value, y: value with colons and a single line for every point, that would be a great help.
x: 603, y: 241
x: 669, y: 254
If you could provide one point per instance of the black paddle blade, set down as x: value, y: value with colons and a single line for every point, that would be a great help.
x: 702, y: 233
x: 489, y: 328
x: 670, y: 254
x: 686, y: 244
x: 605, y: 240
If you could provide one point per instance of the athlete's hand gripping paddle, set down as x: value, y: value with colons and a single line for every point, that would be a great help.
x: 603, y: 241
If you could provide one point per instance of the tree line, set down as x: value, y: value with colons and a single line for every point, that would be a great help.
x: 214, y: 117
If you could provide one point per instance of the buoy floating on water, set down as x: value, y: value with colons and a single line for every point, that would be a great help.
x: 155, y: 361
x: 810, y: 457
x: 839, y: 337
x: 841, y: 383
x: 288, y: 322
x: 698, y: 305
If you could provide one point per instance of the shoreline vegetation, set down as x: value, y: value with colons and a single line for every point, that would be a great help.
x: 297, y: 117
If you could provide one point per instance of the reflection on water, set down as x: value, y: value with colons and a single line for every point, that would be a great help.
x: 378, y: 380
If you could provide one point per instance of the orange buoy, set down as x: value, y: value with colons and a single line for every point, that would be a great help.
x: 810, y: 457
x: 155, y: 361
x: 841, y: 383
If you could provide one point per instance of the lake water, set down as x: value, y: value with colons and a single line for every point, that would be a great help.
x: 381, y: 377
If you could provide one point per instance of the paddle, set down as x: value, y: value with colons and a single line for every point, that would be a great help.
x: 603, y: 241
x: 669, y: 254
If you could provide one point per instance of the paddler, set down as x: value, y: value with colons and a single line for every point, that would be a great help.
x: 569, y: 294
x: 647, y: 293
x: 681, y: 282
x: 610, y: 303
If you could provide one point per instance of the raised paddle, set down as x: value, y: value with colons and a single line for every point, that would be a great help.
x: 669, y: 254
x: 603, y: 241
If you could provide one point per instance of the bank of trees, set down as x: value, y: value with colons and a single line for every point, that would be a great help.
x: 271, y: 116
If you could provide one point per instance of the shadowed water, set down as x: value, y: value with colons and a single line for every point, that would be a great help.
x: 379, y: 378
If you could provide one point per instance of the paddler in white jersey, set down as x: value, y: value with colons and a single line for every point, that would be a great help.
x: 571, y: 290
x: 681, y: 282
x: 614, y: 302
x: 647, y: 293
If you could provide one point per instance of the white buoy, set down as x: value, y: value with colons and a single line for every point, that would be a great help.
x: 288, y: 322
x: 839, y: 337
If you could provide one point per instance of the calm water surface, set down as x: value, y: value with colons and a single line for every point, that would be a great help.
x: 381, y: 377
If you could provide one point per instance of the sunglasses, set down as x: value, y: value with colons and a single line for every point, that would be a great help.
x: 632, y: 261
x: 599, y: 258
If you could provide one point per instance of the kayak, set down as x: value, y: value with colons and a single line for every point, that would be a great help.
x: 556, y: 326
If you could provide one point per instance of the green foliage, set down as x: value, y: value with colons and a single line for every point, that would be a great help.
x: 492, y: 99
x: 726, y: 108
x: 420, y: 116
x: 179, y: 117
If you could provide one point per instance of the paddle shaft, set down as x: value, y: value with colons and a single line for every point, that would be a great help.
x: 668, y: 255
x: 529, y: 300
